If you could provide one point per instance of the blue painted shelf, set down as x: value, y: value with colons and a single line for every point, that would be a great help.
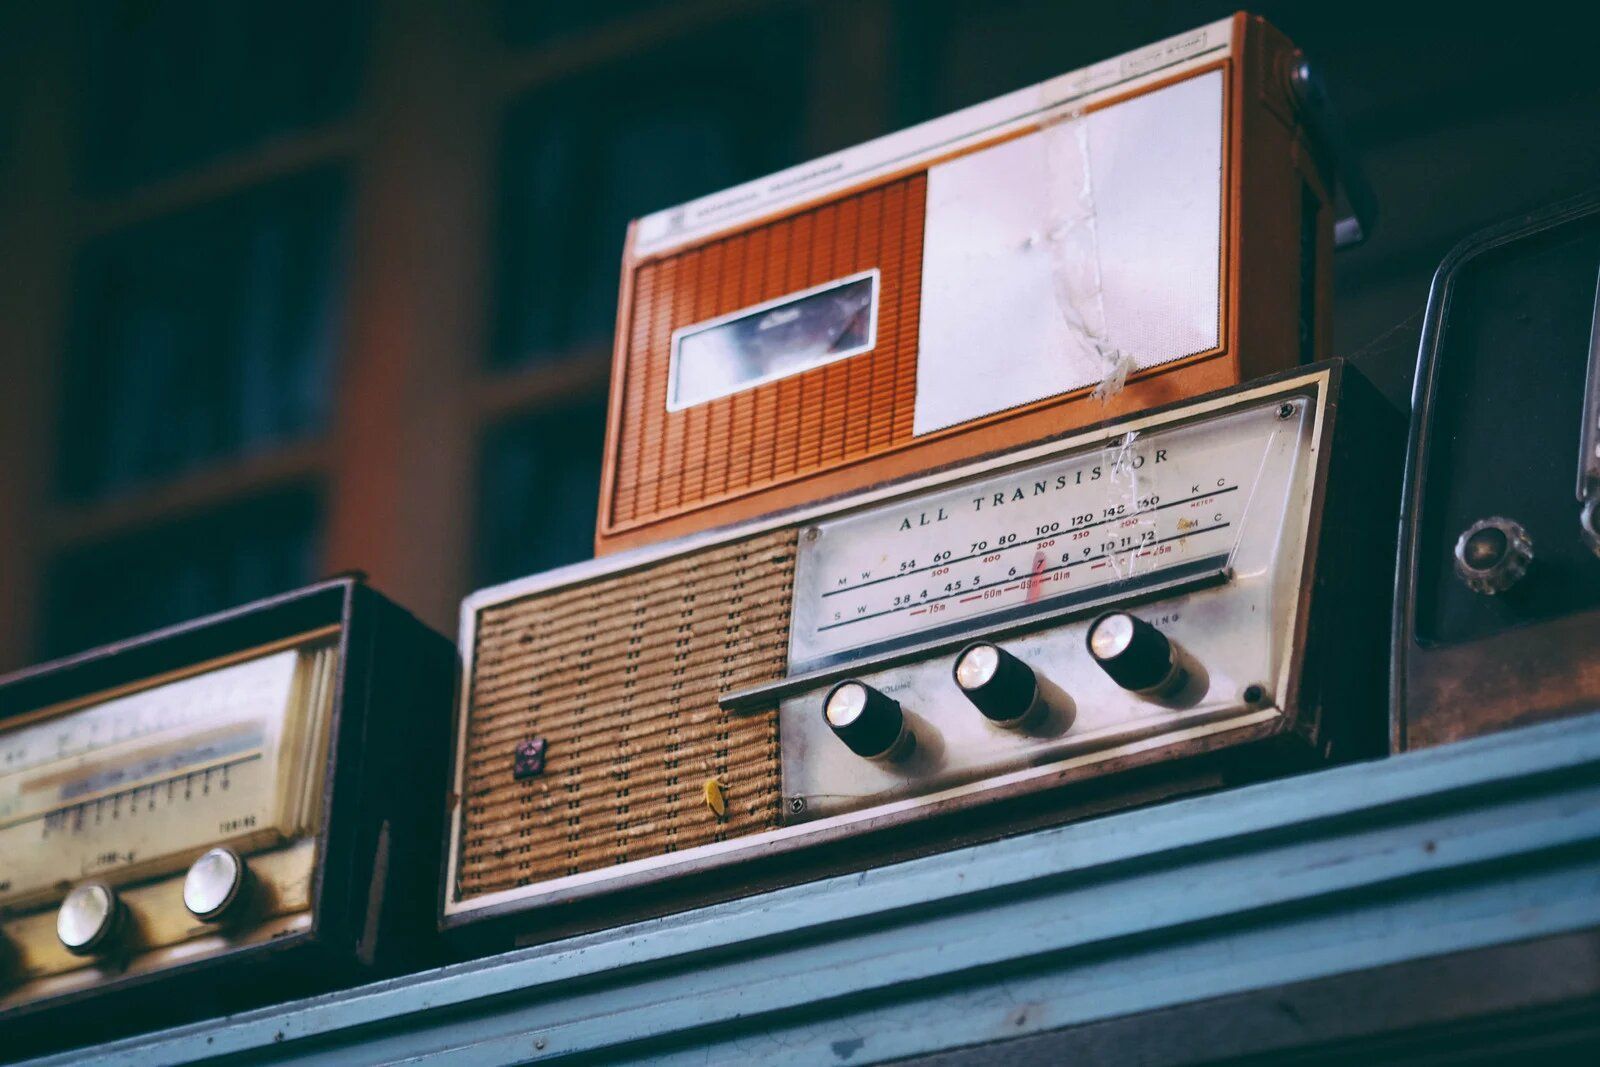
x: 1489, y: 846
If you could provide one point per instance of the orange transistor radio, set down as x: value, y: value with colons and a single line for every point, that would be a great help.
x: 1131, y: 234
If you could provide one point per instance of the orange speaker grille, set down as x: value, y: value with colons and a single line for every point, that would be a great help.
x: 619, y: 677
x: 671, y: 462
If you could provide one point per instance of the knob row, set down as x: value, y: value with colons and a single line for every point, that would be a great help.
x: 1005, y: 690
x: 92, y: 914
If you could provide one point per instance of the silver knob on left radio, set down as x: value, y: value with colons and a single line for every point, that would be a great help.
x: 215, y: 884
x: 88, y: 918
x: 869, y: 722
x: 1492, y: 555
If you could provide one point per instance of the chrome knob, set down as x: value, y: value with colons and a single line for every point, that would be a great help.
x: 1135, y: 654
x: 1004, y: 689
x: 1589, y: 524
x: 1492, y: 555
x: 869, y: 723
x: 88, y: 918
x: 215, y: 884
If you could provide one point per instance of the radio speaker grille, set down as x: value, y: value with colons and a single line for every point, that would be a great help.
x: 615, y: 683
x: 671, y: 462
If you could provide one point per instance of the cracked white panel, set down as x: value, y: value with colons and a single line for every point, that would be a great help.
x: 1071, y: 256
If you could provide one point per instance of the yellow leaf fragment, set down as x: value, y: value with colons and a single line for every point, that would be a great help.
x: 714, y: 798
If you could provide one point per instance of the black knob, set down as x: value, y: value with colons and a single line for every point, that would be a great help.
x: 869, y: 723
x: 1135, y: 654
x: 999, y: 684
x: 1492, y: 555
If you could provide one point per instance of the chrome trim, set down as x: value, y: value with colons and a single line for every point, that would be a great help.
x: 1589, y: 433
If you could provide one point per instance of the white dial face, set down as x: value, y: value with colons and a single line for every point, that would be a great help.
x: 1075, y: 527
x: 139, y: 783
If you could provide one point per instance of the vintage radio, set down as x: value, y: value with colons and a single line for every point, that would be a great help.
x: 1201, y: 592
x: 1131, y: 234
x: 219, y: 813
x: 1497, y: 611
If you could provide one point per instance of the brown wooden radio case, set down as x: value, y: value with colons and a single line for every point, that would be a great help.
x: 646, y: 732
x: 895, y: 216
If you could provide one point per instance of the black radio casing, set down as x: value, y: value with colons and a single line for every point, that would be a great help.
x: 372, y: 885
x: 1507, y: 358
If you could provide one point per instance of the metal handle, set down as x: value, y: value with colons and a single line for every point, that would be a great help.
x: 1312, y: 98
x: 1589, y: 434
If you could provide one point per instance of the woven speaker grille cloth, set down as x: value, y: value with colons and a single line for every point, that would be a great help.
x: 671, y: 462
x: 620, y: 678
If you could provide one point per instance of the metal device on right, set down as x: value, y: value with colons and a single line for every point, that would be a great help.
x: 1497, y: 611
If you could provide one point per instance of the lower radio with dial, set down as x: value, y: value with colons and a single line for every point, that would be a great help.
x: 1171, y: 602
x: 219, y: 813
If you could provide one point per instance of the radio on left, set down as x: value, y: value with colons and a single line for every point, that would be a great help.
x: 220, y: 814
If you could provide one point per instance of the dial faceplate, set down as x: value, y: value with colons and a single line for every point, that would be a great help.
x: 139, y: 783
x: 1217, y: 505
x: 1077, y: 527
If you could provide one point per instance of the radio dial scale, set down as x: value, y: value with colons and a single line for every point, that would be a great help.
x: 1140, y: 508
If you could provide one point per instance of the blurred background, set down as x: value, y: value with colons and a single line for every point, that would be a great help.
x: 296, y: 287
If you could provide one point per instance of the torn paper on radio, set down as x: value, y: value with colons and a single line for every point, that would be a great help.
x: 1134, y: 522
x: 1073, y: 255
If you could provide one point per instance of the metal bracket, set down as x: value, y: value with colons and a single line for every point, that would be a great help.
x: 1311, y: 96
